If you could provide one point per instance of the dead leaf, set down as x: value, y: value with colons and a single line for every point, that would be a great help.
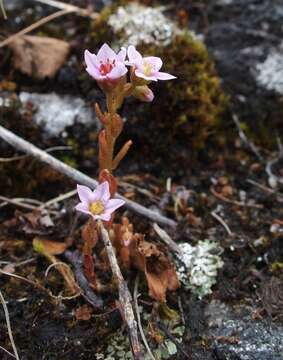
x: 83, y: 312
x: 133, y: 250
x: 48, y: 247
x: 39, y: 56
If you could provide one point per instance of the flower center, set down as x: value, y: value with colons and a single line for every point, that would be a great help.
x: 96, y: 207
x: 106, y: 67
x: 147, y: 68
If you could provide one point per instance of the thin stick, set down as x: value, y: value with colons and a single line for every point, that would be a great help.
x: 270, y: 164
x: 139, y: 318
x: 222, y: 222
x: 245, y: 139
x: 76, y: 175
x: 166, y: 238
x: 63, y: 6
x: 76, y: 260
x: 8, y: 352
x: 234, y: 202
x: 58, y: 199
x: 3, y: 9
x: 125, y: 297
x: 34, y: 26
x: 20, y: 157
x: 17, y: 203
x: 9, y: 325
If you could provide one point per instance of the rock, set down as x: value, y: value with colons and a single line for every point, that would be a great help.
x: 38, y: 56
x: 238, y: 337
x: 55, y: 112
x: 245, y: 37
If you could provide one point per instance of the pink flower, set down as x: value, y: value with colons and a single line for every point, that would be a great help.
x: 147, y: 67
x: 106, y: 65
x: 143, y: 93
x: 97, y: 203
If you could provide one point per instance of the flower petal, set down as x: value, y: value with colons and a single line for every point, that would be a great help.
x: 95, y: 73
x: 121, y: 56
x: 118, y: 71
x: 101, y: 192
x: 106, y: 53
x: 90, y: 59
x: 84, y: 193
x: 140, y: 74
x: 82, y: 207
x: 104, y: 217
x: 164, y: 76
x: 134, y: 56
x: 112, y: 205
x: 154, y: 61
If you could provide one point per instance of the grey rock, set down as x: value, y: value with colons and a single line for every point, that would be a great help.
x: 256, y: 340
x: 55, y: 112
x: 245, y: 38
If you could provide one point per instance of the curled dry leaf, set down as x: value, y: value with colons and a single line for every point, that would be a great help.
x: 134, y: 250
x: 39, y: 56
x: 83, y: 312
x: 49, y: 247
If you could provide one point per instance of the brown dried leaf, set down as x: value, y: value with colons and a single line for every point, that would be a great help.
x: 39, y: 56
x: 48, y: 247
x: 83, y: 312
x: 147, y: 257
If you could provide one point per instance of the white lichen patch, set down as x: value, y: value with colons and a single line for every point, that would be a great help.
x: 199, y: 265
x: 141, y: 24
x: 54, y: 113
x: 270, y: 72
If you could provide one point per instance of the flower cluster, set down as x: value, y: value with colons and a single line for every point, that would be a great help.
x: 109, y: 69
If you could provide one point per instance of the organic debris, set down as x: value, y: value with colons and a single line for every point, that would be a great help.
x: 39, y: 56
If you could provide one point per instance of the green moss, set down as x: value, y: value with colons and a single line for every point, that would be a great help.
x: 194, y: 103
x: 185, y: 110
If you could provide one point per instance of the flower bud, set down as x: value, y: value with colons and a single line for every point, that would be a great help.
x: 143, y: 93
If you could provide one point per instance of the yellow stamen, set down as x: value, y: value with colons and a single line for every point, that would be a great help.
x: 147, y: 68
x: 96, y: 208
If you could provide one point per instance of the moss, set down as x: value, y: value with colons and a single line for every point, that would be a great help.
x: 185, y: 111
x: 194, y: 103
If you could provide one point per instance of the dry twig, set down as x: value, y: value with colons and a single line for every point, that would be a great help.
x: 166, y: 238
x: 7, y: 317
x: 245, y: 139
x: 93, y: 299
x: 222, y: 222
x: 68, y: 7
x: 139, y: 318
x: 76, y: 175
x: 34, y: 26
x: 234, y: 202
x: 125, y: 297
x: 3, y: 9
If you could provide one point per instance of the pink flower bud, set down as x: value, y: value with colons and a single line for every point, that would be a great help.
x: 143, y: 93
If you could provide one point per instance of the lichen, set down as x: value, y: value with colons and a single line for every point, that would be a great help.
x: 63, y: 111
x: 139, y: 24
x: 270, y: 72
x: 199, y: 264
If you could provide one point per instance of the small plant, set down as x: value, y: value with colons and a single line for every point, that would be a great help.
x: 120, y: 78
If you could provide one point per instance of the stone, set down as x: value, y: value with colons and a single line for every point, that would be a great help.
x: 55, y: 112
x: 238, y: 337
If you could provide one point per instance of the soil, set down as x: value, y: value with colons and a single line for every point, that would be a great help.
x: 227, y: 178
